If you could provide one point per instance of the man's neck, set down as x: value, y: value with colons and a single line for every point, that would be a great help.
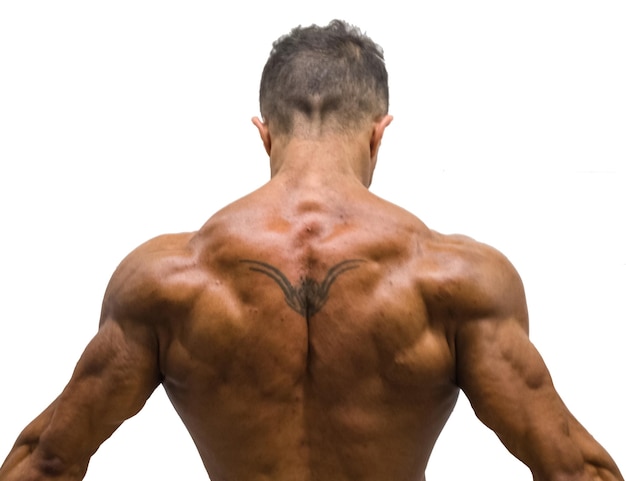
x: 324, y: 161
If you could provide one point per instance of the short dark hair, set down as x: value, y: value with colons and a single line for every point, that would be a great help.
x: 334, y: 71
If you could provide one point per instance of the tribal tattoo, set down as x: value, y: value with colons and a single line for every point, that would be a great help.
x: 309, y: 296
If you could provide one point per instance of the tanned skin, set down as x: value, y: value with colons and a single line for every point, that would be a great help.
x: 313, y: 331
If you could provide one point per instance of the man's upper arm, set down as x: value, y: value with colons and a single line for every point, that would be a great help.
x: 509, y: 386
x: 114, y: 377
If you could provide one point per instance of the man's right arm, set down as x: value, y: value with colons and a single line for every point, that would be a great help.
x: 508, y: 384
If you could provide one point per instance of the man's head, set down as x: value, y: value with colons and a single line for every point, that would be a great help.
x: 333, y: 77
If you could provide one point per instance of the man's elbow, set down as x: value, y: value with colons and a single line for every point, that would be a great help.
x: 49, y: 464
x: 603, y: 472
x: 30, y: 462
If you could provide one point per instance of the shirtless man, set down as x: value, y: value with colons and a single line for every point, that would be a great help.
x: 311, y: 330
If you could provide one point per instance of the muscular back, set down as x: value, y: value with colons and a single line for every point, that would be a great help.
x: 299, y: 344
x: 313, y: 333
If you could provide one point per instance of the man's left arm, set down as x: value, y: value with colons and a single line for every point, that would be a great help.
x: 114, y: 377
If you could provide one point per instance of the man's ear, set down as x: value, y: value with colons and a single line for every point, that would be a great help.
x: 377, y: 135
x: 264, y: 132
x: 375, y: 139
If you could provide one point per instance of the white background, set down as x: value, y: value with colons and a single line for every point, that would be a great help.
x: 121, y: 120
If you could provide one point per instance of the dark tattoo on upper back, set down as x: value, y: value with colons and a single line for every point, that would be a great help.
x: 309, y: 296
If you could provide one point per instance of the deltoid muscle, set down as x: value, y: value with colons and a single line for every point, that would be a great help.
x: 309, y: 296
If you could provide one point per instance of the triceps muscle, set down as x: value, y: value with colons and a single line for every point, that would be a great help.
x: 500, y: 370
x: 114, y: 377
x: 511, y: 391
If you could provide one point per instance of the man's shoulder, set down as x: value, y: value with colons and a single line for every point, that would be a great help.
x: 156, y: 255
x: 472, y: 277
x: 151, y: 275
x: 464, y: 254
